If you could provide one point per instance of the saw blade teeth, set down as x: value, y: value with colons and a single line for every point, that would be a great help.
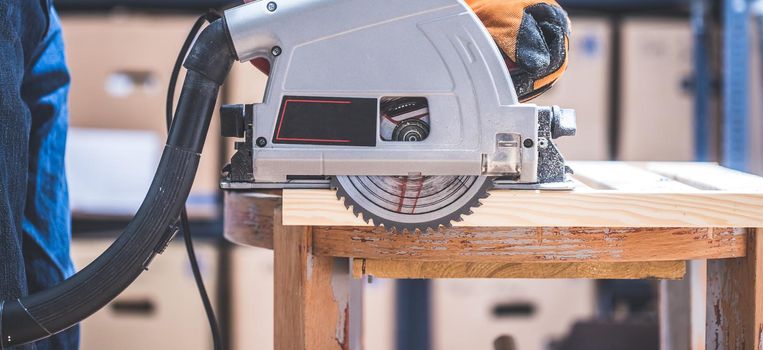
x: 388, y: 226
x: 347, y: 186
x: 334, y: 183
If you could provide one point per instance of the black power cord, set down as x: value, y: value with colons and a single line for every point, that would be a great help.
x: 184, y: 225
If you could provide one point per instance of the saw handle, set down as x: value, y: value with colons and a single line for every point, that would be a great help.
x: 53, y: 310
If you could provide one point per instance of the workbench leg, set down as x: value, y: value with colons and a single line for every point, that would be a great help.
x: 312, y: 293
x: 735, y: 299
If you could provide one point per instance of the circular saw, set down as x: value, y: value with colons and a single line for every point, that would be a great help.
x: 406, y: 109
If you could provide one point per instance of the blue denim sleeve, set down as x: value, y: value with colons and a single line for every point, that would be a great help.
x: 46, y: 223
x: 34, y: 218
x: 46, y: 220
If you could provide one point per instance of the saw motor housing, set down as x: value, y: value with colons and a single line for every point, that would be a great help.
x: 336, y: 64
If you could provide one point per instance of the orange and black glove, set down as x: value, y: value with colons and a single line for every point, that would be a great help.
x: 533, y: 36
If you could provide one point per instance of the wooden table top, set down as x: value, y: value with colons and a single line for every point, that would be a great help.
x: 608, y: 194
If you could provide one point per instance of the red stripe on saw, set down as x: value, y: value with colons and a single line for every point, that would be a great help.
x: 395, y: 121
x: 418, y: 116
x: 390, y: 119
x: 418, y: 193
x: 283, y: 113
x: 402, y: 196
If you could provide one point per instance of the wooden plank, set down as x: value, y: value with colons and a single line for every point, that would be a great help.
x: 480, y: 244
x: 402, y: 269
x: 735, y: 299
x: 311, y: 294
x: 625, y: 177
x: 708, y: 176
x: 582, y: 207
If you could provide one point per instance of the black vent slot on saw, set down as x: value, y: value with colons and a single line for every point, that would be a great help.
x: 404, y: 119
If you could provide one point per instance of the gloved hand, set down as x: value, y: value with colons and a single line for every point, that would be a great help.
x: 533, y: 36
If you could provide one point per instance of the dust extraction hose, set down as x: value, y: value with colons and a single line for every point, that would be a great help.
x: 53, y: 310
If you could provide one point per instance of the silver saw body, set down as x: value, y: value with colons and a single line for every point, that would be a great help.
x: 406, y: 108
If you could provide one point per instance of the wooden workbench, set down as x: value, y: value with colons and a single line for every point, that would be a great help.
x: 634, y: 220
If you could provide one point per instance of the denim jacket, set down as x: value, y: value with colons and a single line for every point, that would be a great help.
x: 35, y: 227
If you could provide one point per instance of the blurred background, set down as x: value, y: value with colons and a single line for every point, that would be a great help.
x: 650, y: 80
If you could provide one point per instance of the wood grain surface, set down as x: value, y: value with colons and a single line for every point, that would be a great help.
x: 401, y: 269
x: 487, y: 244
x: 600, y: 208
x: 623, y: 195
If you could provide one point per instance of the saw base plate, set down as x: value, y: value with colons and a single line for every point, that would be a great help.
x: 326, y: 184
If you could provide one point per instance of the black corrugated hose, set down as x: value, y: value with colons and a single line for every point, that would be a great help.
x: 185, y: 227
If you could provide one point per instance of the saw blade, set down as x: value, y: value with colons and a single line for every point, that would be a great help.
x: 412, y: 202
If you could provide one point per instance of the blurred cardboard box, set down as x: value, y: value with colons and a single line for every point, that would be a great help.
x: 160, y: 310
x: 472, y: 313
x: 656, y: 121
x: 585, y: 88
x: 379, y: 314
x: 120, y: 66
x: 245, y: 84
x: 251, y: 298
